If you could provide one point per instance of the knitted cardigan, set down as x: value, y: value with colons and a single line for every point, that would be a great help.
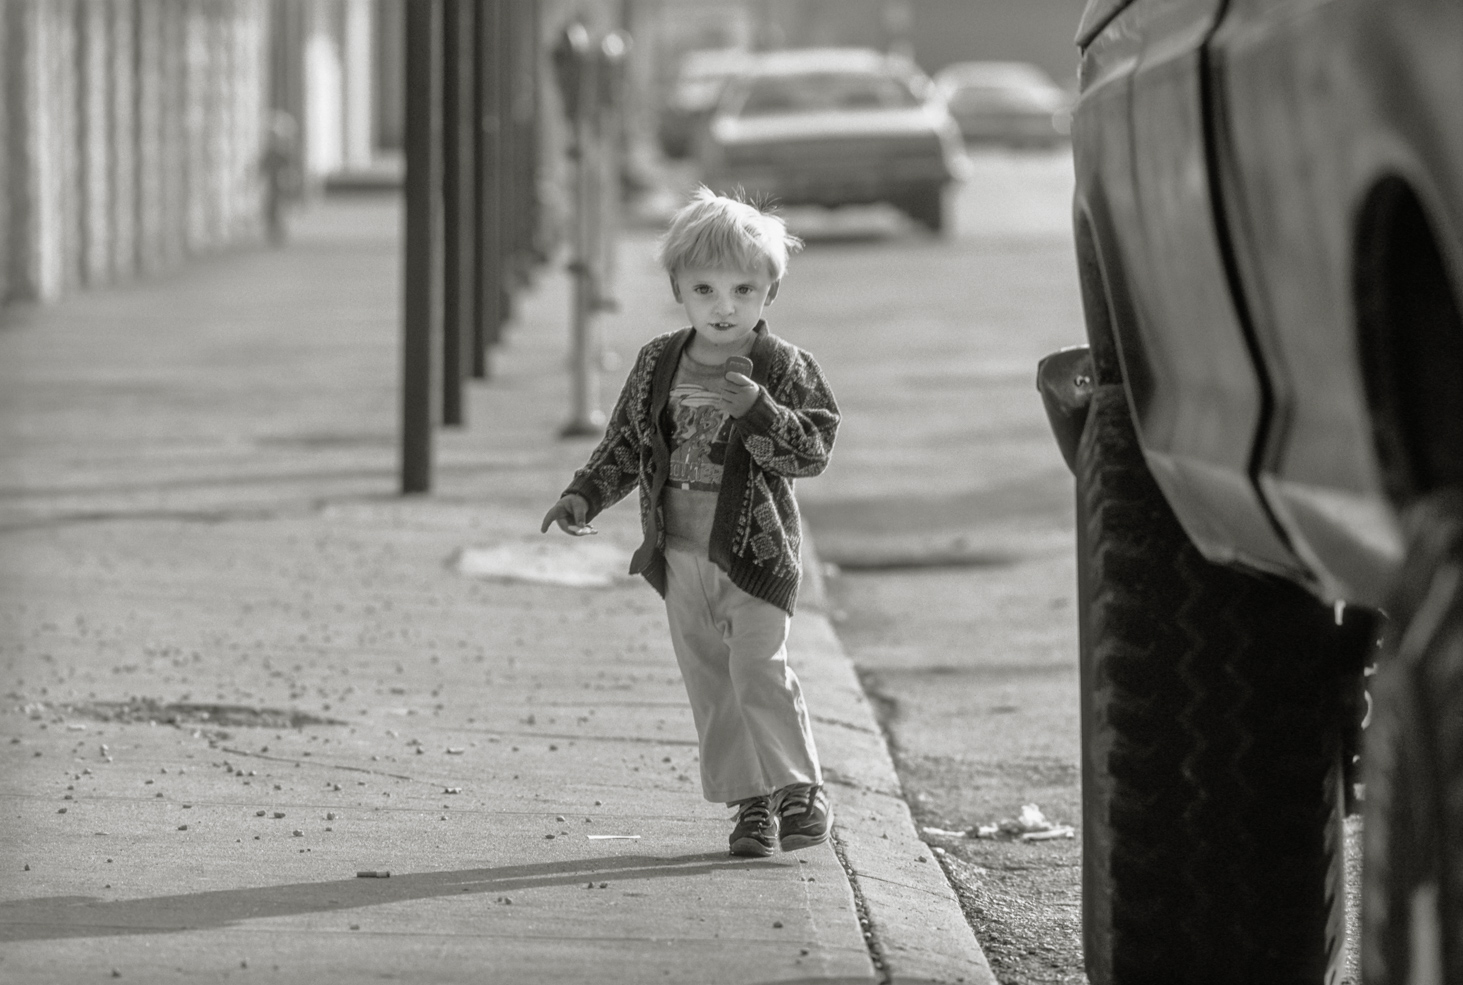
x: 756, y: 531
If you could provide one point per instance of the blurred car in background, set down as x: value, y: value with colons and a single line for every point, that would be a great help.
x: 834, y: 126
x: 1011, y: 103
x: 693, y: 95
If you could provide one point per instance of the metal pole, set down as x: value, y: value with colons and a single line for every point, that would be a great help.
x: 457, y: 189
x: 585, y: 417
x: 615, y: 48
x: 489, y: 161
x: 421, y: 239
x: 530, y: 109
x: 510, y: 191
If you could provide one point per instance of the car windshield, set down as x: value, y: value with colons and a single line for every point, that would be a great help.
x: 993, y: 96
x: 825, y: 91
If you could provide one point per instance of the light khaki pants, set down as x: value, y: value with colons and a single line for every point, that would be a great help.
x: 748, y: 706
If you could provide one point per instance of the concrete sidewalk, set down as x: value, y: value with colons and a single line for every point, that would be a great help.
x: 240, y: 670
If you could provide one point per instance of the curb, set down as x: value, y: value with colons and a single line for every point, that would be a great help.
x: 916, y: 930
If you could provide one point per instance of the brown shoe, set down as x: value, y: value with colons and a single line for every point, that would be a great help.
x: 803, y: 816
x: 756, y: 830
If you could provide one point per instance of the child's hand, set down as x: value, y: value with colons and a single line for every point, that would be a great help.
x: 570, y: 514
x: 737, y: 394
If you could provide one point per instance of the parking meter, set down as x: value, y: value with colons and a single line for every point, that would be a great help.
x: 576, y: 60
x: 573, y: 58
x: 614, y: 48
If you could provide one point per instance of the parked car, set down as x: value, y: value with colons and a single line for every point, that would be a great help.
x: 1012, y: 103
x: 1267, y: 432
x: 693, y: 95
x: 835, y: 126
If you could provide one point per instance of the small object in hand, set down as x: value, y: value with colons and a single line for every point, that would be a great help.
x: 739, y: 364
x: 581, y: 529
x: 374, y: 874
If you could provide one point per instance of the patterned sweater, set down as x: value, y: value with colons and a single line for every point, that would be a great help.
x: 756, y: 534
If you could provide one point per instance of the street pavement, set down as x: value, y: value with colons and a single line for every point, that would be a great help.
x: 245, y: 679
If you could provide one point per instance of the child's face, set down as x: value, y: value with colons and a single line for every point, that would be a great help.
x: 724, y: 304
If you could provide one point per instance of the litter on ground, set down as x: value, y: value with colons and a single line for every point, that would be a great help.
x: 1032, y: 825
x: 575, y: 563
x: 943, y: 832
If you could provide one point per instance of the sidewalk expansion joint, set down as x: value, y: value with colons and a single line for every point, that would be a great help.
x: 832, y: 776
x: 861, y: 908
x: 851, y: 726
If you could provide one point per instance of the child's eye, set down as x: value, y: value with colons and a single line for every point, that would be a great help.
x: 702, y: 289
x: 744, y: 289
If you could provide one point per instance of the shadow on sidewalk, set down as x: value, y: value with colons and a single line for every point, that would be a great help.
x: 61, y: 917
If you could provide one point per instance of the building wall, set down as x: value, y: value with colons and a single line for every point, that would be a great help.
x: 134, y: 129
x: 132, y: 136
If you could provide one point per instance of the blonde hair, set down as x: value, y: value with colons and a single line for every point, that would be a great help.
x: 719, y: 231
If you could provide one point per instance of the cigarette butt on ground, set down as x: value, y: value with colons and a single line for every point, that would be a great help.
x: 943, y: 832
x: 374, y: 874
x: 613, y: 837
x: 1060, y: 831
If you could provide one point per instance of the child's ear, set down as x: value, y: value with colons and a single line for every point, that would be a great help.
x: 676, y: 289
x: 772, y: 291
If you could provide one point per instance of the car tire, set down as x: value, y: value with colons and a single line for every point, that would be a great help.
x: 1213, y: 710
x: 1412, y: 909
x: 926, y: 206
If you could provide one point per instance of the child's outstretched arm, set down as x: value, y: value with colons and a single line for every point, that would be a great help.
x: 571, y: 513
x: 789, y: 430
x: 613, y: 467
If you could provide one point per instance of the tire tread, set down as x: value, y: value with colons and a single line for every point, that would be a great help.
x: 1217, y: 712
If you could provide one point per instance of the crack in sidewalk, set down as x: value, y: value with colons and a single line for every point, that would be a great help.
x: 321, y: 763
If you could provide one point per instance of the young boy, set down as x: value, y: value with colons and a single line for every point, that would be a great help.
x: 714, y: 423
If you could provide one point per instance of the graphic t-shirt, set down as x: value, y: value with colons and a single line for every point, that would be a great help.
x: 699, y: 432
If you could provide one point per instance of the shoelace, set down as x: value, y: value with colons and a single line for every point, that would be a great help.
x: 759, y: 811
x: 801, y: 798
